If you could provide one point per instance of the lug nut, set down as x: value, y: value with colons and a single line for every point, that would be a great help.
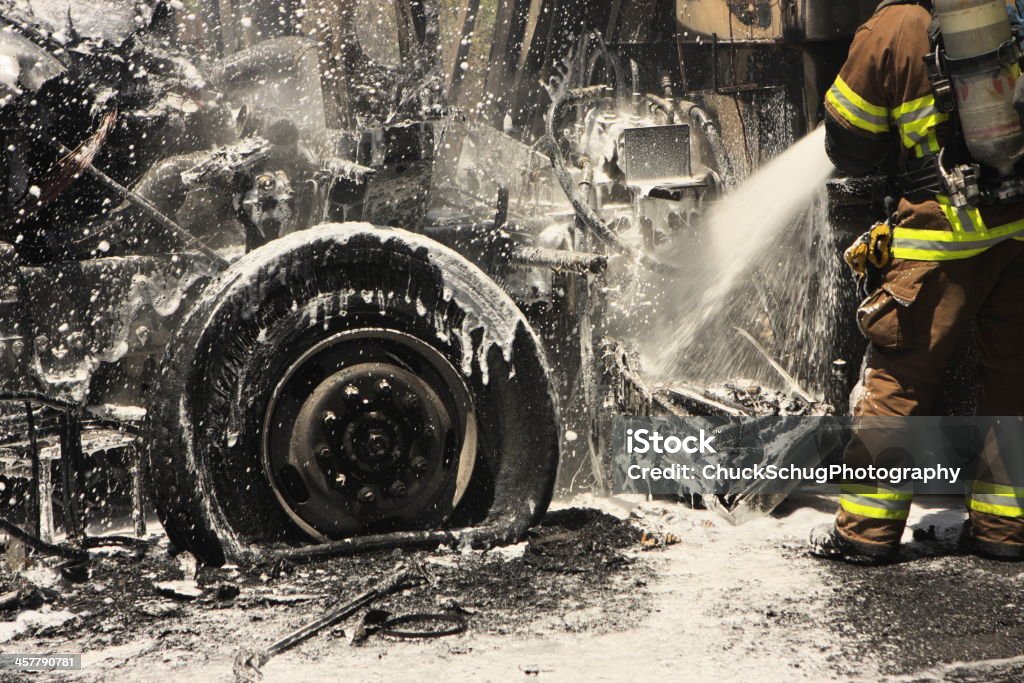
x: 351, y: 392
x: 384, y: 388
x: 340, y: 480
x: 329, y: 419
x: 418, y: 464
x: 366, y: 495
x: 398, y: 489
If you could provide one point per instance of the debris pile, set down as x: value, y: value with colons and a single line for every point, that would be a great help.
x: 574, y: 559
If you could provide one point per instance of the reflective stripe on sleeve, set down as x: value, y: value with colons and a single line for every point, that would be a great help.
x: 917, y: 121
x: 856, y: 110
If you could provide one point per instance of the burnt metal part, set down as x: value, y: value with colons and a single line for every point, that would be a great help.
x: 559, y: 260
x: 652, y: 154
x: 72, y: 474
x: 389, y: 436
x: 248, y: 663
x: 277, y: 303
x: 98, y: 322
x: 587, y: 215
x: 434, y: 625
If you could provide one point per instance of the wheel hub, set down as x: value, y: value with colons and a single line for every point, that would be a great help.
x: 369, y: 435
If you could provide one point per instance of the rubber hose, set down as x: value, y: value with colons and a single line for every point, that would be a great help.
x: 664, y: 106
x: 33, y: 541
x: 162, y: 184
x: 700, y: 118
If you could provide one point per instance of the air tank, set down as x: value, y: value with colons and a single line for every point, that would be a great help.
x: 984, y: 86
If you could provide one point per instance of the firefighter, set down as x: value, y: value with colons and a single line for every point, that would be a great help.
x: 951, y: 254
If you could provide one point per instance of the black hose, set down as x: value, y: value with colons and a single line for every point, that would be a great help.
x: 612, y: 65
x: 162, y: 184
x: 700, y: 118
x: 588, y: 217
x: 664, y: 106
x: 36, y: 543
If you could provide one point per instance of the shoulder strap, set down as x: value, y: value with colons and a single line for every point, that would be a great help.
x: 889, y: 3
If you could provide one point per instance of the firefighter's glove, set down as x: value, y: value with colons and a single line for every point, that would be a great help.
x: 871, y: 251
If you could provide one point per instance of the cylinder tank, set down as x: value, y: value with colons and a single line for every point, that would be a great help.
x: 984, y: 86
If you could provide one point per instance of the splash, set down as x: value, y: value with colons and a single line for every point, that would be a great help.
x: 766, y: 264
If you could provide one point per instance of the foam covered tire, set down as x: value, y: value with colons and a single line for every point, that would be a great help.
x: 398, y: 344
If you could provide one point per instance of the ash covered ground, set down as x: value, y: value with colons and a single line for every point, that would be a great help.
x: 580, y: 564
x: 581, y: 599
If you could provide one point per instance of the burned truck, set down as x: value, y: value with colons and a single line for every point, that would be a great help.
x: 341, y: 276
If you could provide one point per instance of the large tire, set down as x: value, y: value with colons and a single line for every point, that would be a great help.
x: 214, y: 440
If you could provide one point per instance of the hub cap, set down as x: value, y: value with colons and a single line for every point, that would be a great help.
x: 369, y: 431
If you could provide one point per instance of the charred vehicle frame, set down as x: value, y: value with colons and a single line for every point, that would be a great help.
x: 317, y: 297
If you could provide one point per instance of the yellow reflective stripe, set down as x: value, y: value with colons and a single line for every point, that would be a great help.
x: 962, y: 219
x: 995, y: 499
x: 875, y: 492
x: 884, y: 501
x: 917, y: 120
x: 997, y: 489
x: 946, y: 245
x: 916, y: 131
x: 912, y: 106
x: 856, y: 110
x: 860, y: 102
x: 872, y: 511
x: 997, y: 510
x: 930, y: 145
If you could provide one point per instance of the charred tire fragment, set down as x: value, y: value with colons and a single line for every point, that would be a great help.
x: 219, y: 374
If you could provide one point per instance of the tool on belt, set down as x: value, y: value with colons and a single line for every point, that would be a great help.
x: 871, y: 253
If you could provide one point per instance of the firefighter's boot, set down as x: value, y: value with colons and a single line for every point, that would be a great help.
x: 828, y: 543
x: 979, y: 539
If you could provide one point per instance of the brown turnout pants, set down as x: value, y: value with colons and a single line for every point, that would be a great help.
x: 914, y: 323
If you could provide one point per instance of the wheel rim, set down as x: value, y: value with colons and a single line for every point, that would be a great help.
x: 370, y: 430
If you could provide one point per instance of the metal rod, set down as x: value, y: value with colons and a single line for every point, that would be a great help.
x: 147, y: 207
x: 247, y: 663
x: 72, y: 518
x: 138, y: 496
x: 35, y: 497
x: 794, y: 386
x: 557, y: 259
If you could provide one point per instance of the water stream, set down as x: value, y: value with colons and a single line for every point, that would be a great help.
x: 766, y: 263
